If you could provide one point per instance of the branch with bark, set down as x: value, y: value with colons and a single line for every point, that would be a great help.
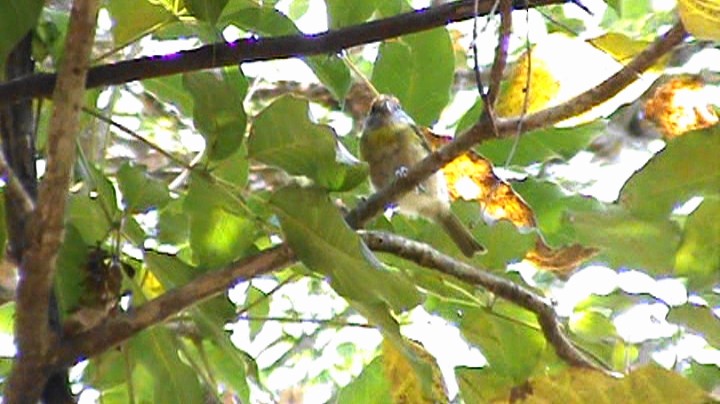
x: 45, y: 232
x: 426, y: 256
x: 258, y: 49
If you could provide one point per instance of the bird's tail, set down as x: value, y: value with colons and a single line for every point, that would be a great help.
x: 460, y: 235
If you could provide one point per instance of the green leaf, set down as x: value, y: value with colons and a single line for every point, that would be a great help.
x: 482, y: 385
x: 218, y: 109
x: 7, y: 318
x: 511, y: 343
x: 687, y: 167
x: 232, y: 170
x: 140, y: 191
x: 418, y: 69
x: 207, y: 10
x: 108, y: 369
x: 89, y: 218
x: 371, y: 386
x: 218, y: 235
x: 173, y: 380
x: 551, y: 205
x: 330, y: 69
x: 71, y: 263
x: 698, y: 319
x: 173, y: 223
x: 283, y: 136
x: 628, y: 241
x: 592, y: 325
x: 259, y: 306
x: 17, y: 18
x: 342, y: 13
x: 324, y: 243
x: 698, y: 257
x: 229, y: 367
x: 542, y: 145
x: 136, y: 18
x: 170, y: 90
x: 705, y: 376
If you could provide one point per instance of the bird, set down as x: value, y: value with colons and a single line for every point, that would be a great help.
x: 391, y: 143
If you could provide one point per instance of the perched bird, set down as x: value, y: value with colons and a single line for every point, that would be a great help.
x: 391, y: 143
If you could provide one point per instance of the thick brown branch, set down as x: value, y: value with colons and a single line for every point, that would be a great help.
x: 505, y: 127
x: 45, y: 234
x: 254, y: 49
x: 120, y: 328
x: 424, y: 255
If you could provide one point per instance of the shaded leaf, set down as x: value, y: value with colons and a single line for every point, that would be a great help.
x: 218, y: 111
x: 698, y: 257
x: 371, y: 386
x: 418, y: 70
x: 140, y: 191
x: 699, y: 319
x: 283, y: 136
x: 687, y: 167
x: 16, y: 20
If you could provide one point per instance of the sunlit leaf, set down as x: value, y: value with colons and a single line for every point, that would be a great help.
x: 406, y: 386
x: 701, y: 18
x: 135, y: 18
x: 208, y: 10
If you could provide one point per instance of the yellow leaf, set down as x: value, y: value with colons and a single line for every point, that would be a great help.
x: 701, y: 18
x: 560, y: 69
x: 405, y: 385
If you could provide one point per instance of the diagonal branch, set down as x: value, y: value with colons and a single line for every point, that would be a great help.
x: 256, y: 49
x: 424, y: 255
x: 121, y: 327
x: 45, y: 232
x: 484, y: 130
x: 116, y: 330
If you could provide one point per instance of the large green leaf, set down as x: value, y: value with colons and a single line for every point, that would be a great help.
x: 627, y: 241
x: 170, y: 90
x: 551, y: 205
x: 140, y: 191
x: 219, y: 234
x: 687, y: 167
x: 207, y: 10
x: 342, y: 13
x: 136, y: 18
x: 267, y: 21
x: 324, y: 242
x: 17, y: 18
x: 371, y: 386
x: 218, y: 110
x: 541, y: 145
x: 698, y: 319
x: 418, y: 69
x: 283, y: 136
x: 698, y: 258
x: 173, y: 380
x: 510, y: 341
x: 482, y: 385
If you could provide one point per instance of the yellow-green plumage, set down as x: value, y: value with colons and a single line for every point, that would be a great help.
x: 391, y: 144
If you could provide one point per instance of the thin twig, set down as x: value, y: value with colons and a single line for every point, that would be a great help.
x: 15, y: 188
x: 501, y: 51
x: 424, y: 255
x: 333, y: 323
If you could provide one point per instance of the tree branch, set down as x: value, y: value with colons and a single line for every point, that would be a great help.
x: 483, y: 130
x: 117, y: 329
x: 424, y: 255
x: 256, y: 49
x: 45, y: 232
